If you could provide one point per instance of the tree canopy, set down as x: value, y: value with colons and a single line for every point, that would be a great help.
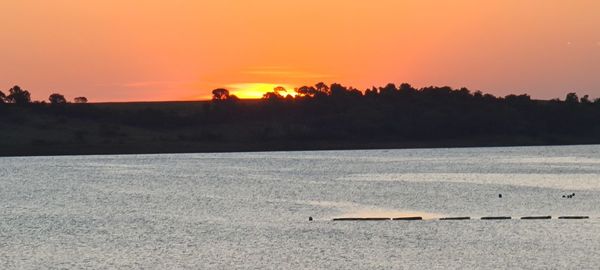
x: 57, y: 99
x: 80, y: 100
x: 220, y: 94
x: 18, y: 96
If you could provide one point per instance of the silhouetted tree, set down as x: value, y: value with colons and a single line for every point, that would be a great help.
x: 406, y: 88
x: 18, y: 96
x: 371, y: 92
x: 585, y: 99
x: 338, y: 90
x: 280, y: 90
x: 572, y: 98
x: 277, y: 93
x: 520, y: 100
x: 322, y: 89
x: 464, y: 92
x: 354, y: 92
x: 306, y: 91
x: 220, y: 94
x: 272, y: 96
x: 2, y: 97
x: 80, y: 100
x: 388, y: 90
x: 489, y: 97
x: 57, y: 99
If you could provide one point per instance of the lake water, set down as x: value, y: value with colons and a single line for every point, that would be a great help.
x: 250, y: 210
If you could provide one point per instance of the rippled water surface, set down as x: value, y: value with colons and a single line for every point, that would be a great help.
x: 250, y: 210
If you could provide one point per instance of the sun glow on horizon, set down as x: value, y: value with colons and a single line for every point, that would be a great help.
x: 257, y: 90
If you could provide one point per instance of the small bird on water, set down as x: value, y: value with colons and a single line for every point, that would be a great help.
x: 310, y: 219
x: 499, y: 195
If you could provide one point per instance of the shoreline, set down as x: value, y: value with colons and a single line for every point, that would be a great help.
x: 99, y: 150
x: 426, y: 118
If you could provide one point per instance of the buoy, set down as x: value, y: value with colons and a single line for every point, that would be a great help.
x: 408, y: 218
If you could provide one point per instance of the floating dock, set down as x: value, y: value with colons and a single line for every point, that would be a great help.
x: 361, y: 219
x: 537, y: 217
x: 455, y: 218
x: 495, y: 218
x: 573, y: 217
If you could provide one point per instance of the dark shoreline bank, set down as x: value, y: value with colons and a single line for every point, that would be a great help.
x: 333, y: 118
x: 170, y: 148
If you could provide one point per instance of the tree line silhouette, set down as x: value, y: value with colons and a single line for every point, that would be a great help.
x: 405, y: 113
x: 318, y: 117
x: 19, y: 96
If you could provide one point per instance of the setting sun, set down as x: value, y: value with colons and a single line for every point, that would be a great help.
x: 257, y: 90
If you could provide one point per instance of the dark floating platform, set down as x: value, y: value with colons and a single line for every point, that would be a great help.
x: 361, y: 219
x: 455, y: 218
x: 495, y: 218
x: 573, y: 217
x: 537, y: 217
x: 408, y: 218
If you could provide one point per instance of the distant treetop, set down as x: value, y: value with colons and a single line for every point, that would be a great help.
x: 57, y: 99
x: 18, y: 96
x: 80, y: 100
x: 222, y: 94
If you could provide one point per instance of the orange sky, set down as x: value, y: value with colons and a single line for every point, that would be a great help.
x: 122, y: 50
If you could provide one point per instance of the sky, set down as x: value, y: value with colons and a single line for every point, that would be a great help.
x: 151, y: 50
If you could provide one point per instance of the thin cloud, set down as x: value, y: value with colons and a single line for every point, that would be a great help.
x: 276, y: 72
x: 141, y: 84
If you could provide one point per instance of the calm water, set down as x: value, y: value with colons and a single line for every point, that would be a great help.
x: 250, y: 210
